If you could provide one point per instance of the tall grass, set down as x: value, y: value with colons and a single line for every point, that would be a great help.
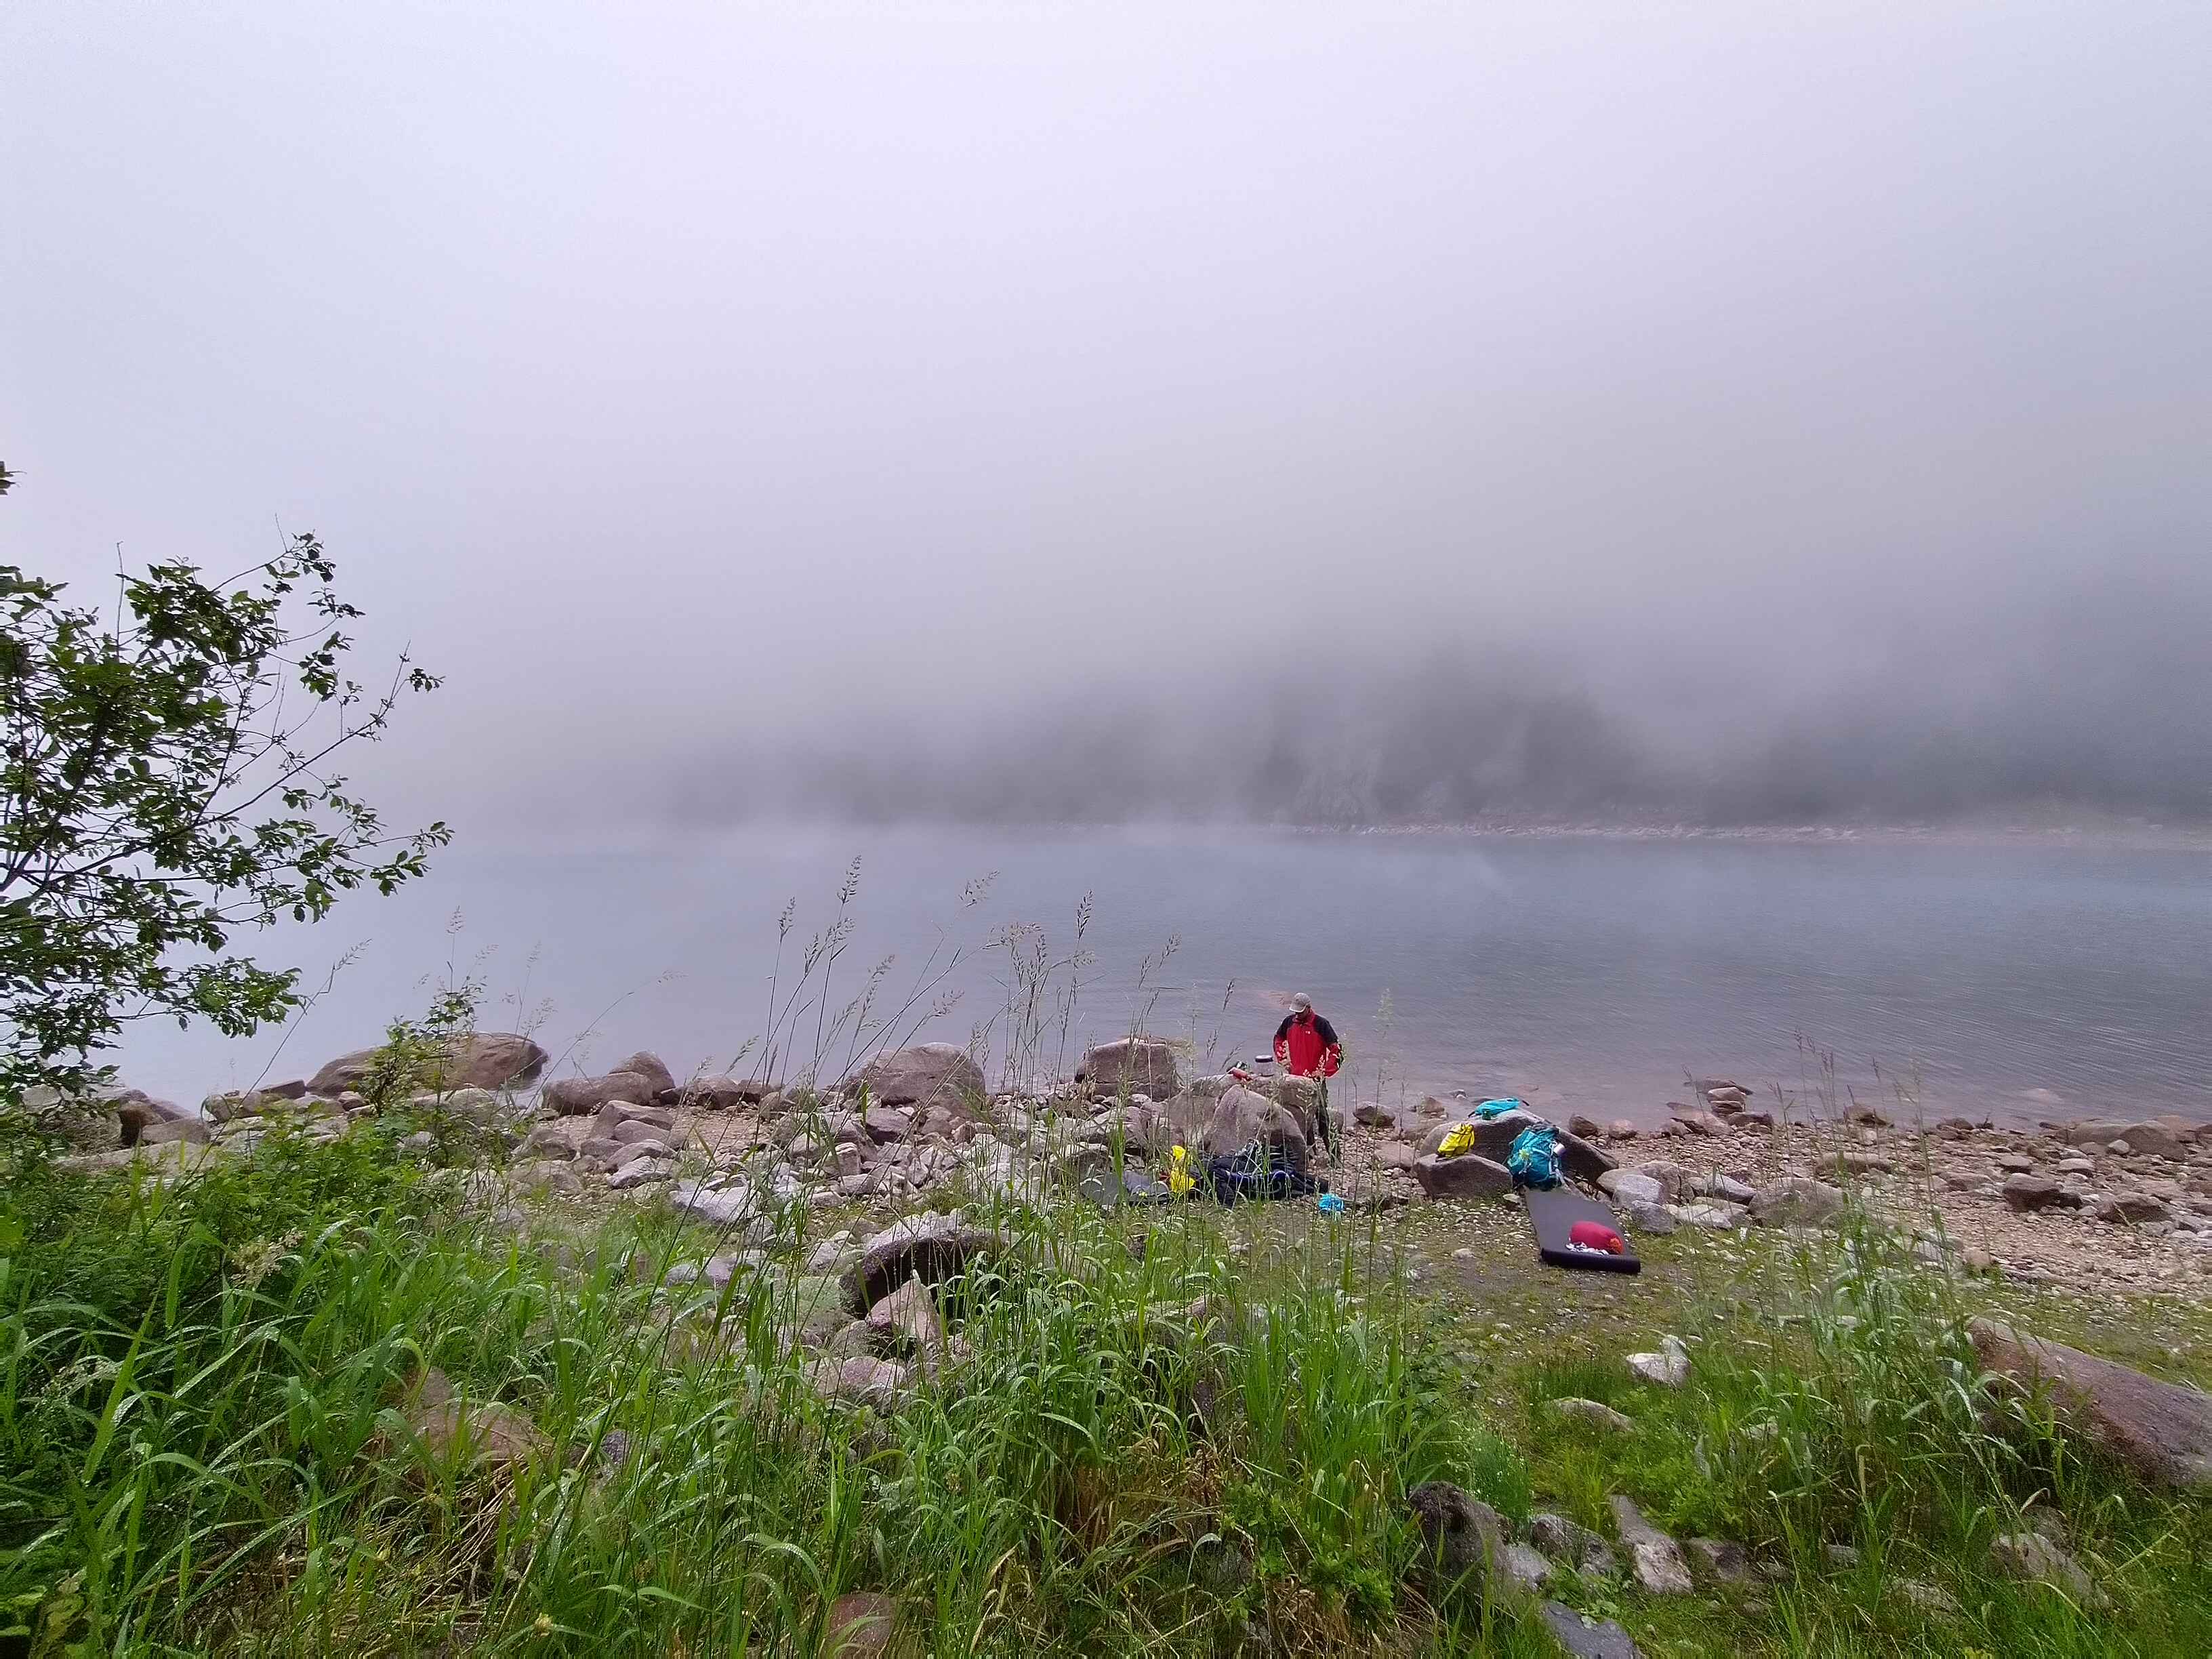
x: 205, y: 1440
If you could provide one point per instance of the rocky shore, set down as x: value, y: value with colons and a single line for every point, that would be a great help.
x: 2096, y: 1203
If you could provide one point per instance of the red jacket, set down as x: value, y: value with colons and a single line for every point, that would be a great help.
x: 1306, y: 1044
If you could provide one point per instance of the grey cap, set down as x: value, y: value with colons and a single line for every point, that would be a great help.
x: 1301, y: 1002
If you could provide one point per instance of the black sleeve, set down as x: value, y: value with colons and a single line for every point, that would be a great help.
x: 1282, y: 1030
x: 1327, y: 1032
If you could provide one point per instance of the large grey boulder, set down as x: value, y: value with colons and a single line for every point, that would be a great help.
x: 2163, y: 1429
x: 1243, y: 1117
x: 931, y: 1075
x: 477, y: 1060
x: 1129, y: 1066
x: 652, y: 1069
x: 572, y: 1097
x: 1493, y: 1140
x: 1468, y: 1176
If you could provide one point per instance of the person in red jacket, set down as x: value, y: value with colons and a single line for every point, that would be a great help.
x: 1306, y: 1046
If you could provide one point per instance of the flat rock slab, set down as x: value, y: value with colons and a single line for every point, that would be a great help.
x: 2162, y: 1430
x: 1468, y: 1176
x: 1586, y: 1637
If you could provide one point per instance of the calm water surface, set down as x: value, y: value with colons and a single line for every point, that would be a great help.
x: 1581, y: 973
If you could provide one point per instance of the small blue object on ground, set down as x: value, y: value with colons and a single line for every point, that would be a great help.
x: 1331, y: 1204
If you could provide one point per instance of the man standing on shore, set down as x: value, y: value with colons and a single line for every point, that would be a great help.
x: 1306, y: 1046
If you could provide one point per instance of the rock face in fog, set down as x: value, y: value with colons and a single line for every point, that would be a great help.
x: 478, y: 1059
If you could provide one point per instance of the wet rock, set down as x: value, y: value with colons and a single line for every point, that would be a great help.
x: 479, y: 1060
x: 1131, y: 1065
x: 1586, y: 1637
x: 1466, y: 1176
x: 929, y: 1075
x: 1653, y: 1557
x: 1669, y: 1367
x: 2162, y: 1430
x: 1594, y: 1413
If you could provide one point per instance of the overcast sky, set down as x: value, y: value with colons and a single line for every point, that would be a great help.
x: 671, y: 375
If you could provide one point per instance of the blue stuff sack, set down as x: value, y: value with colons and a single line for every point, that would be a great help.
x: 1491, y: 1109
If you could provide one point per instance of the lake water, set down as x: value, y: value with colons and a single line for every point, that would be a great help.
x: 1583, y: 973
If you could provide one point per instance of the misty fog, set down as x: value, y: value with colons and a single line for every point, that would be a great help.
x: 1728, y: 415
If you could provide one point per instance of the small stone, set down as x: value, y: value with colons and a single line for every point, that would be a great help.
x: 1523, y: 1568
x: 1594, y: 1413
x: 1841, y: 1557
x: 860, y: 1626
x: 1931, y: 1599
x: 2029, y: 1193
x: 1669, y: 1367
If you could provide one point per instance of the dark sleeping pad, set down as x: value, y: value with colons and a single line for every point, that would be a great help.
x: 1553, y: 1214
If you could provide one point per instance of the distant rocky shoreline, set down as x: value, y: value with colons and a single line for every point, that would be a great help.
x: 2094, y: 1203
